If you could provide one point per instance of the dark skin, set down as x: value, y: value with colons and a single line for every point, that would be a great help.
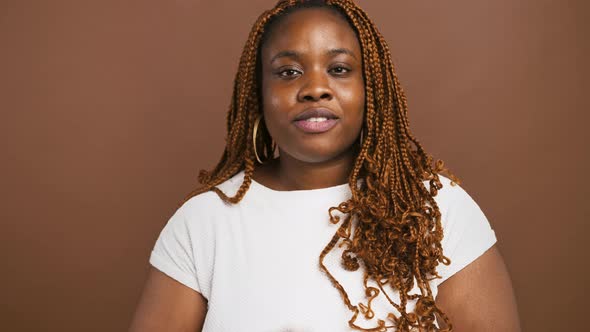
x: 478, y: 298
x: 312, y: 58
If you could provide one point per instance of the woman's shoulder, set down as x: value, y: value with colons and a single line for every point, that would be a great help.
x: 460, y: 213
x: 466, y: 228
x: 449, y: 192
x: 209, y: 202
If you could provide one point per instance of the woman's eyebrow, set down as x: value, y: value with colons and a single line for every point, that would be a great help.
x: 296, y: 55
x: 285, y: 54
x: 337, y: 51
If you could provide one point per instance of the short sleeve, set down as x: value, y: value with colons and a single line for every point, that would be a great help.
x: 173, y: 252
x: 467, y: 232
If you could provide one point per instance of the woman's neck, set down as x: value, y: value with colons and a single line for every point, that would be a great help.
x: 287, y: 173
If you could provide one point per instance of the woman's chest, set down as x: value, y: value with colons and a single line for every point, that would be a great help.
x: 268, y: 278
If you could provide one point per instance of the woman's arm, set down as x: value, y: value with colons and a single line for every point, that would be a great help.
x: 479, y: 298
x: 167, y: 305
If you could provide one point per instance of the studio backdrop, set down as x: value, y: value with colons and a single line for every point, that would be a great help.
x: 110, y: 108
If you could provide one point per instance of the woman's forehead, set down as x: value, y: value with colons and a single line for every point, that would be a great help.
x: 311, y: 29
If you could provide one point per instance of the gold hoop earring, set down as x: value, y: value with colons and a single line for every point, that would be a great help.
x: 273, y: 144
x: 256, y: 123
x: 361, y: 137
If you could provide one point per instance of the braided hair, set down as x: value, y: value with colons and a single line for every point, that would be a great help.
x: 398, y: 233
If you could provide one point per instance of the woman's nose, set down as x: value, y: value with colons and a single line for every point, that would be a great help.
x: 316, y: 87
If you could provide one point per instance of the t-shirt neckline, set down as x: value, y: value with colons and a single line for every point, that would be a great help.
x: 337, y: 189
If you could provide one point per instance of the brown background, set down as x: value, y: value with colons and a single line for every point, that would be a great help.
x: 110, y: 108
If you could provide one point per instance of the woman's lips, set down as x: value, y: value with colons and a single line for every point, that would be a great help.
x: 316, y: 125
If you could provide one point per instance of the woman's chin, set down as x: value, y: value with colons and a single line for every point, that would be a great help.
x: 319, y: 154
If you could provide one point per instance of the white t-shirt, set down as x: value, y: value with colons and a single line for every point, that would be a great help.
x: 257, y: 262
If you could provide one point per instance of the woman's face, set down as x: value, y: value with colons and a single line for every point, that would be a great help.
x: 312, y: 85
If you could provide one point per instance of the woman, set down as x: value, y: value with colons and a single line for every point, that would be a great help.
x: 324, y: 212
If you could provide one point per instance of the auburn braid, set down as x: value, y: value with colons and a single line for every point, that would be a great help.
x: 398, y: 230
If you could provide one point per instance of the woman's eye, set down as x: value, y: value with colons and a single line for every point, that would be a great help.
x: 339, y: 70
x: 288, y: 73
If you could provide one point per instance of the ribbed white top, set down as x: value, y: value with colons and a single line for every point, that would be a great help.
x: 257, y: 262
